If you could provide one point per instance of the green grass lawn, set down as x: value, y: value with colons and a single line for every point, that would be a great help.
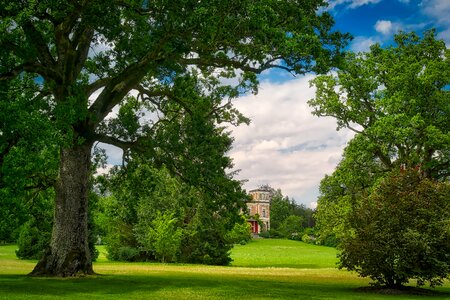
x: 263, y: 269
x: 283, y: 254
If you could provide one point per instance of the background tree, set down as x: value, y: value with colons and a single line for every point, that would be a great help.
x: 401, y: 232
x: 89, y: 56
x: 287, y: 218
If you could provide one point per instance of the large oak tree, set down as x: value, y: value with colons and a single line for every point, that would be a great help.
x: 88, y: 56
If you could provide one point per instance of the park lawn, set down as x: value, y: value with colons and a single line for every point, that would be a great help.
x: 247, y: 278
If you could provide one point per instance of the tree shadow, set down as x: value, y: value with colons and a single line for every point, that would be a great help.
x: 404, y: 290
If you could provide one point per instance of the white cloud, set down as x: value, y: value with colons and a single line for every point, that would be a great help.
x: 387, y: 27
x: 383, y: 26
x: 285, y: 146
x: 445, y: 35
x: 362, y: 43
x: 437, y: 9
x: 104, y: 170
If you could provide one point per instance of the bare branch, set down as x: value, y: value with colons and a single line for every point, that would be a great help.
x: 119, y: 86
x: 83, y: 43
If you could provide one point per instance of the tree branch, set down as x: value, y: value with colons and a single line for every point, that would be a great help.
x: 106, y: 139
x: 119, y: 86
x: 83, y: 43
x: 30, y: 67
x: 162, y: 92
x: 243, y: 64
x: 99, y: 83
x: 37, y: 41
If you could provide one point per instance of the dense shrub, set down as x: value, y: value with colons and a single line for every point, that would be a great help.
x: 33, y: 240
x: 241, y: 233
x: 401, y: 232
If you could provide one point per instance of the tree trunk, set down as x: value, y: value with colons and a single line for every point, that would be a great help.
x: 68, y: 254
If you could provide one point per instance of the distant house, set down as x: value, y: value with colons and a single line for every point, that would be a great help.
x: 259, y: 208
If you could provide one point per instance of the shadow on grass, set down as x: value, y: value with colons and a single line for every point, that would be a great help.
x: 181, y: 286
x: 405, y: 290
x: 161, y: 286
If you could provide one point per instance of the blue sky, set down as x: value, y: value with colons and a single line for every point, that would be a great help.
x: 288, y: 148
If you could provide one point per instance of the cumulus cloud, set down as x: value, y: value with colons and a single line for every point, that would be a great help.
x: 439, y: 11
x: 363, y: 43
x: 285, y: 146
x: 383, y: 26
x: 387, y: 27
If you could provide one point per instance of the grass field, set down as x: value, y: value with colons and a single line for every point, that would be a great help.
x: 263, y: 269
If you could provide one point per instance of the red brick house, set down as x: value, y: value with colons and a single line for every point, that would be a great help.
x: 259, y: 209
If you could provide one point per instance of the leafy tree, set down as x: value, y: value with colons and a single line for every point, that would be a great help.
x: 279, y: 210
x: 142, y: 192
x: 241, y: 232
x: 396, y: 100
x: 401, y: 232
x: 27, y: 154
x: 287, y: 217
x: 90, y: 55
x: 34, y: 234
x: 163, y: 237
x: 292, y: 227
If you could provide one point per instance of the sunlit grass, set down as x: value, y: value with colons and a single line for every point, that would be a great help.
x: 271, y: 276
x: 283, y: 253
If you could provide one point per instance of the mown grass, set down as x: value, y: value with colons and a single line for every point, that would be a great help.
x: 272, y: 276
x: 283, y: 253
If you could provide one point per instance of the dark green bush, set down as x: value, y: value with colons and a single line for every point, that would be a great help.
x: 32, y: 241
x: 401, y: 232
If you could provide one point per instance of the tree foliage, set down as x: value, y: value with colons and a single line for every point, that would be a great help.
x: 287, y: 218
x: 396, y: 100
x: 401, y: 232
x: 162, y: 237
x: 141, y: 194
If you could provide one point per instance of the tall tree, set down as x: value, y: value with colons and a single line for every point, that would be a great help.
x: 90, y: 55
x: 397, y: 101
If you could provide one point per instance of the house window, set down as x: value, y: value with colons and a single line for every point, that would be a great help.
x: 264, y: 212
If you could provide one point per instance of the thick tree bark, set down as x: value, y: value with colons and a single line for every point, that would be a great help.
x: 68, y: 254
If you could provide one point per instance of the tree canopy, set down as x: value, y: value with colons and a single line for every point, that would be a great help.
x: 397, y: 102
x: 119, y: 71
